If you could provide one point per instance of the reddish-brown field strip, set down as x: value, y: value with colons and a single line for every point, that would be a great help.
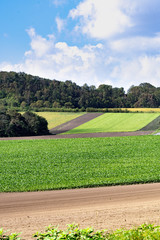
x: 82, y: 135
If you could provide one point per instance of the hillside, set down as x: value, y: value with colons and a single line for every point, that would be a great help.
x: 30, y: 92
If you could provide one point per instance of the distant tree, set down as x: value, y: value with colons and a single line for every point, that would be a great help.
x: 68, y: 105
x: 47, y: 104
x: 37, y: 125
x: 56, y: 105
x: 4, y: 123
x: 17, y: 125
x: 146, y: 100
x: 23, y: 105
x: 39, y: 104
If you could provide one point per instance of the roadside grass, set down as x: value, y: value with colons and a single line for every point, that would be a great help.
x: 31, y: 165
x: 56, y: 118
x: 116, y: 122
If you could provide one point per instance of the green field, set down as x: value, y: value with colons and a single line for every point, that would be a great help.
x: 29, y: 165
x: 56, y: 118
x: 116, y: 122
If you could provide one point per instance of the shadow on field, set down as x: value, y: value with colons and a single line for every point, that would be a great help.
x: 152, y: 126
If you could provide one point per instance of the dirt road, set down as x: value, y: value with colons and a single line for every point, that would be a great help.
x: 101, y: 208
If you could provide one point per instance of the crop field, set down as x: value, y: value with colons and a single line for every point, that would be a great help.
x: 116, y: 122
x: 142, y: 109
x: 30, y: 165
x: 56, y: 118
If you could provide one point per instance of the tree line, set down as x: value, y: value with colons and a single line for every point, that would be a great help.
x: 25, y: 91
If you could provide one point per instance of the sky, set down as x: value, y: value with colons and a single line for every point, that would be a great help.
x: 113, y: 42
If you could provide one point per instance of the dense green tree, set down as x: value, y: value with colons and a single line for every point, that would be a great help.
x: 13, y: 124
x: 17, y: 125
x: 37, y: 125
x: 4, y: 123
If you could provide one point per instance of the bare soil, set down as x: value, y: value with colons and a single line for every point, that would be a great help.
x: 102, y: 208
x: 81, y: 135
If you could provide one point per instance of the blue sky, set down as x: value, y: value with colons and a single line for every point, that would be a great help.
x: 91, y: 41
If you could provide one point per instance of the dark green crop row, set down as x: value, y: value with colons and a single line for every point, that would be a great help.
x: 31, y: 165
x: 143, y: 232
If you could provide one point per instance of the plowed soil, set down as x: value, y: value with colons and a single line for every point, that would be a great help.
x: 81, y: 135
x: 101, y: 208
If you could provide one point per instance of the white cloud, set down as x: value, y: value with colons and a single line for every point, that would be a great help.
x: 136, y: 44
x: 102, y: 19
x: 60, y: 24
x: 5, y: 66
x: 138, y: 70
x: 40, y: 46
x: 59, y: 2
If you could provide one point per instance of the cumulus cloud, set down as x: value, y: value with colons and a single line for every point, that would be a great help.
x: 102, y: 19
x: 40, y: 46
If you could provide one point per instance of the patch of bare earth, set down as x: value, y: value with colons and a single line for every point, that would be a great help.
x: 81, y: 135
x: 102, y: 208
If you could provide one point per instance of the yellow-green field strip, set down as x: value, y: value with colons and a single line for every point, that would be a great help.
x: 116, y: 122
x: 57, y: 118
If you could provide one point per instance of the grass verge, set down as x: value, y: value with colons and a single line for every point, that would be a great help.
x: 31, y: 165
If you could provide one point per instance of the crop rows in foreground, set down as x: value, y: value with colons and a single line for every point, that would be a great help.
x: 30, y: 165
x: 73, y: 232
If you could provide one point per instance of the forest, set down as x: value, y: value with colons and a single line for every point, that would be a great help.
x: 24, y: 91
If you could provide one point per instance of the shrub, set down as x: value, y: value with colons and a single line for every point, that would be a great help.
x: 17, y: 125
x: 13, y: 124
x: 37, y: 125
